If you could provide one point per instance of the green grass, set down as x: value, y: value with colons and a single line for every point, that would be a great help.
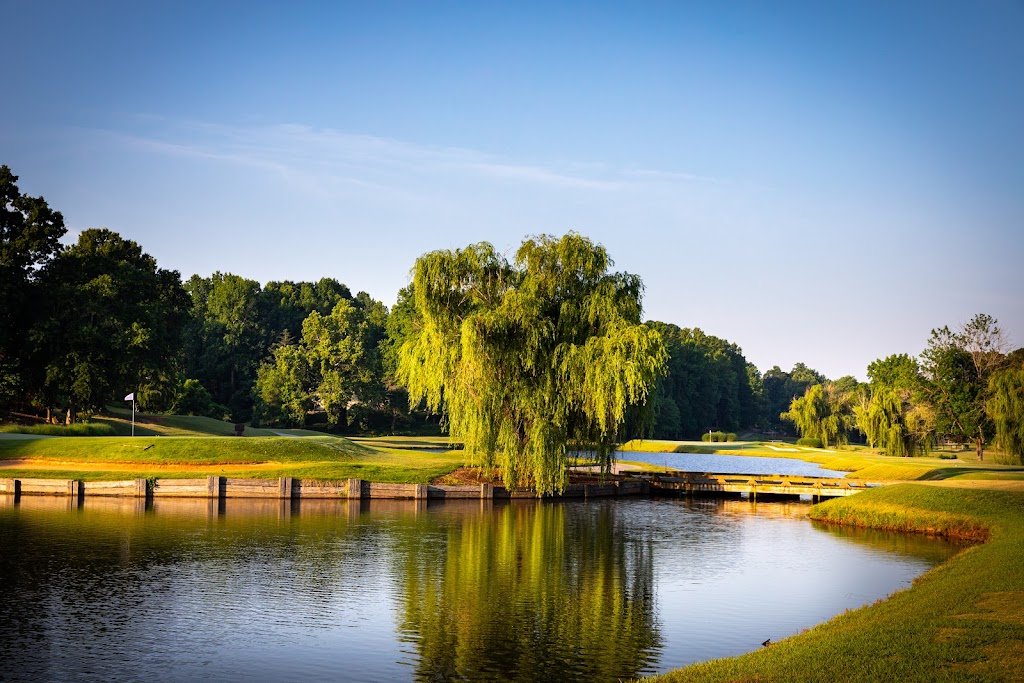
x: 961, y: 621
x: 319, y: 457
x: 172, y: 425
x: 407, y: 442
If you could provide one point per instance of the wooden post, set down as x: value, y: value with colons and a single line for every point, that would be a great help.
x: 286, y: 486
x: 421, y: 491
x: 140, y: 488
x: 75, y: 489
x: 354, y: 489
x: 487, y: 491
x: 213, y: 486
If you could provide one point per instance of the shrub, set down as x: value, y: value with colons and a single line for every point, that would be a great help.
x: 78, y: 429
x: 809, y: 442
x: 718, y: 437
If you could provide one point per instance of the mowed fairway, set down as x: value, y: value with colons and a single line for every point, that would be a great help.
x: 263, y: 457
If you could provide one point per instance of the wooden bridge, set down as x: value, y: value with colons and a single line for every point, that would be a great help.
x: 692, y: 483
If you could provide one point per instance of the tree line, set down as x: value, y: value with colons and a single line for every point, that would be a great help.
x: 85, y: 324
x: 965, y: 387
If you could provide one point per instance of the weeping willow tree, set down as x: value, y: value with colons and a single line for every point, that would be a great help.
x: 1006, y: 406
x: 823, y: 412
x: 524, y: 358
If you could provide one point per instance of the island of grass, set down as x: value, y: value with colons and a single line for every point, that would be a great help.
x: 961, y: 621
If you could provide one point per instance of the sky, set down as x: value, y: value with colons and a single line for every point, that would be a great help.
x: 816, y: 182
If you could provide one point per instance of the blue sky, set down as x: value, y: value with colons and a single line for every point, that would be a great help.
x: 817, y: 182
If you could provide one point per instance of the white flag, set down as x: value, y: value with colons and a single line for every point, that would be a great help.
x: 130, y: 397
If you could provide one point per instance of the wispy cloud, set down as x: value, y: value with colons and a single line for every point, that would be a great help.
x: 315, y: 157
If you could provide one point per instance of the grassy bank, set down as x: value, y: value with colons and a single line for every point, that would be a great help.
x: 319, y: 457
x: 962, y: 621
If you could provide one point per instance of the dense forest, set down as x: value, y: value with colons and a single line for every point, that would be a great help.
x: 87, y: 323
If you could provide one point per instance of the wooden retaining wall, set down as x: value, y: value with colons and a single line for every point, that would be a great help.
x: 289, y: 488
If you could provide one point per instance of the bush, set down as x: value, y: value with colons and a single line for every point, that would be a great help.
x: 809, y: 442
x: 79, y: 429
x: 718, y: 437
x: 193, y: 399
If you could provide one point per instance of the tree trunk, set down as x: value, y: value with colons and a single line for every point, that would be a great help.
x: 72, y: 415
x: 980, y: 448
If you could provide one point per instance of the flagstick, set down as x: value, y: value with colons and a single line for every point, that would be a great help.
x: 133, y: 415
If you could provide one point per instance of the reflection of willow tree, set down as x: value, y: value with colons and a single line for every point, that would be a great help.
x: 545, y: 592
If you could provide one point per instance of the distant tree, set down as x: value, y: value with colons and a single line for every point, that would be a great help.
x: 898, y: 371
x: 192, y: 398
x: 709, y: 382
x: 1006, y: 407
x: 532, y: 355
x: 823, y: 412
x: 282, y: 388
x: 335, y: 365
x: 227, y: 338
x: 891, y: 410
x: 29, y: 240
x: 287, y: 304
x: 112, y: 322
x: 957, y: 366
x: 780, y: 388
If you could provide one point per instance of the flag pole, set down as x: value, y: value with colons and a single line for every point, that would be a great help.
x: 131, y: 397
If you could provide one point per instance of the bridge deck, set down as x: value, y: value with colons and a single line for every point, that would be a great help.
x: 753, y: 484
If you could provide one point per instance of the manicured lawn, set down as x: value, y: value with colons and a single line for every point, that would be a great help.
x: 318, y: 457
x: 962, y: 621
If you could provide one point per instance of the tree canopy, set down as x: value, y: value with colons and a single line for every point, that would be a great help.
x: 526, y: 358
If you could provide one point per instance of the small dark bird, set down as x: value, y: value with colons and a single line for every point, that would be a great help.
x: 766, y: 643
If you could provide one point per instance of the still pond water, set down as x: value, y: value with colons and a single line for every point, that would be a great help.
x: 730, y: 464
x: 399, y: 590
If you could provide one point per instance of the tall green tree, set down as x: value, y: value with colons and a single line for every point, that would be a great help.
x: 825, y: 412
x: 957, y: 366
x: 227, y: 338
x: 891, y: 411
x: 781, y: 388
x: 29, y: 239
x: 526, y: 357
x: 112, y: 322
x: 335, y: 367
x: 707, y: 385
x: 1006, y: 407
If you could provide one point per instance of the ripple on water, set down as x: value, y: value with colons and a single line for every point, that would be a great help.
x: 598, y: 590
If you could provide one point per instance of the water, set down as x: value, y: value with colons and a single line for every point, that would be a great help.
x: 402, y: 590
x: 730, y: 464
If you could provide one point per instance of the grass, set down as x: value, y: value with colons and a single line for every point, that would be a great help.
x: 319, y: 457
x: 962, y: 621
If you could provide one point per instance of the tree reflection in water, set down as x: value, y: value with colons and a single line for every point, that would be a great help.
x: 532, y: 592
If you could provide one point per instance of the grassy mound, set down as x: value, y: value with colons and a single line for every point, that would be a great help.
x: 318, y: 457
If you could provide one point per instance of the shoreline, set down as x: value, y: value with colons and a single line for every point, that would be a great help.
x: 962, y: 620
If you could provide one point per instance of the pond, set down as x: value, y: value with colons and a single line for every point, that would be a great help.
x: 402, y: 590
x: 729, y: 464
